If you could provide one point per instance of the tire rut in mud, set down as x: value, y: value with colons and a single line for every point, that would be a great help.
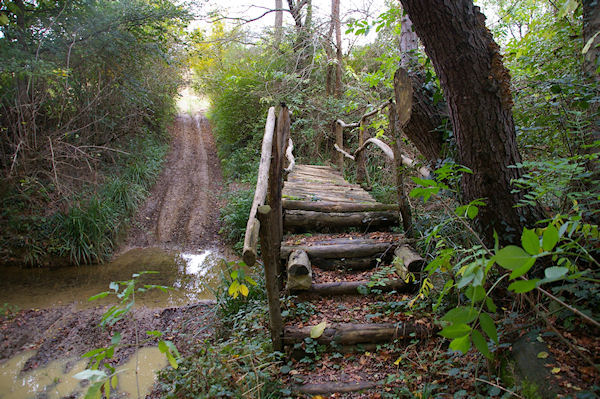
x: 182, y: 211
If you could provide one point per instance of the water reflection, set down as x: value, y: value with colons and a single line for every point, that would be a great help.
x: 192, y: 275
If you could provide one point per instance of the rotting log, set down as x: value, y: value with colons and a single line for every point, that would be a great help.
x: 351, y: 334
x: 299, y: 272
x: 299, y: 219
x: 329, y: 388
x: 341, y: 249
x: 260, y: 194
x: 413, y: 262
x: 326, y: 206
x: 269, y: 244
x: 353, y: 287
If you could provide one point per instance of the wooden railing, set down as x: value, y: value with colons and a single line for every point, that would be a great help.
x: 398, y: 117
x: 265, y: 221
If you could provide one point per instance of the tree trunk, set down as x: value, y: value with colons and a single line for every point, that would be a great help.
x: 591, y: 27
x: 477, y: 89
x: 409, y: 43
x: 335, y: 20
x: 278, y: 22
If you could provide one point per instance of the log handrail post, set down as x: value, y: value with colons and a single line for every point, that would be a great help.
x: 399, y: 172
x: 361, y: 170
x: 339, y: 140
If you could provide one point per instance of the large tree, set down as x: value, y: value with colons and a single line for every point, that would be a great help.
x: 477, y: 89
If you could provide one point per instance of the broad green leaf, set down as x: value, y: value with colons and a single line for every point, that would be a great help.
x: 475, y: 293
x: 585, y: 49
x: 91, y: 375
x: 3, y: 19
x: 488, y: 326
x: 93, y: 352
x: 568, y: 7
x: 555, y: 273
x: 251, y: 281
x: 116, y: 338
x: 162, y: 347
x: 542, y: 355
x: 94, y: 391
x: 512, y: 257
x: 244, y: 289
x: 461, y: 315
x: 114, y: 381
x: 107, y: 389
x: 462, y: 344
x: 549, y: 238
x: 98, y: 296
x: 490, y: 305
x: 530, y: 241
x: 522, y: 286
x: 472, y: 212
x: 518, y: 272
x: 318, y: 330
x: 480, y: 343
x: 171, y: 359
x: 154, y: 333
x: 455, y: 331
x: 235, y: 274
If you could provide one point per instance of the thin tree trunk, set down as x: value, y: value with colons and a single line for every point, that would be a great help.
x: 477, y: 89
x: 278, y: 22
x: 591, y: 27
x: 335, y: 17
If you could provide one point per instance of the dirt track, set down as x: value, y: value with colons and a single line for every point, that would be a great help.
x: 183, y: 208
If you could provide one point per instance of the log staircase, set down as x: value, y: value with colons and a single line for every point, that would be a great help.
x: 326, y: 246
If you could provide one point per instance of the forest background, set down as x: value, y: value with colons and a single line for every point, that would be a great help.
x: 87, y: 89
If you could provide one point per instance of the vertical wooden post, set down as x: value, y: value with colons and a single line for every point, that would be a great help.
x: 270, y: 247
x: 361, y: 170
x: 339, y: 140
x: 399, y: 173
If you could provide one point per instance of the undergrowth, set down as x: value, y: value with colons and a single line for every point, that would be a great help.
x: 81, y: 228
x: 238, y: 361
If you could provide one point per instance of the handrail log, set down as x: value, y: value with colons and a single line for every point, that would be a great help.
x: 423, y: 171
x: 260, y: 194
x: 365, y: 116
x: 290, y: 156
x: 383, y: 146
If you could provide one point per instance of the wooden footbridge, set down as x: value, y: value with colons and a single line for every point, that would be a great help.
x: 291, y: 199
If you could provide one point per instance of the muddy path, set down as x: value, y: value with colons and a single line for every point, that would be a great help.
x: 182, y: 211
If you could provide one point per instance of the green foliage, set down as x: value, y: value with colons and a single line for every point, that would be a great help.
x: 562, y: 247
x: 241, y: 363
x: 235, y: 216
x: 84, y: 107
x: 101, y: 375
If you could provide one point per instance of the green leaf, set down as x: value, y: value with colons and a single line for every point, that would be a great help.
x: 235, y: 274
x: 555, y: 273
x: 251, y: 281
x: 91, y: 375
x: 512, y: 257
x: 522, y: 286
x: 244, y: 289
x: 549, y: 238
x: 98, y: 296
x: 462, y: 344
x: 518, y: 272
x: 363, y: 290
x: 475, y: 293
x: 3, y: 19
x: 93, y: 352
x: 585, y: 49
x: 488, y: 326
x: 172, y: 360
x: 233, y: 288
x: 318, y: 330
x: 568, y: 7
x: 490, y: 305
x: 481, y: 343
x: 461, y: 315
x: 455, y: 331
x: 116, y: 338
x: 154, y: 333
x: 114, y: 381
x: 530, y: 241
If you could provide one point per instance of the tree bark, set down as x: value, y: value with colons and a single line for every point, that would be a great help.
x: 477, y: 89
x: 591, y: 27
x: 278, y: 22
x: 335, y: 20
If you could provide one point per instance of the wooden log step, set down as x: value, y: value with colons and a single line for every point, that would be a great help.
x: 341, y: 248
x: 352, y: 334
x: 354, y: 264
x: 353, y: 287
x: 325, y: 206
x: 302, y: 220
x: 328, y: 388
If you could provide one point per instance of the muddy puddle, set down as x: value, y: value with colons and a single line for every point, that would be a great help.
x: 56, y: 380
x: 192, y: 277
